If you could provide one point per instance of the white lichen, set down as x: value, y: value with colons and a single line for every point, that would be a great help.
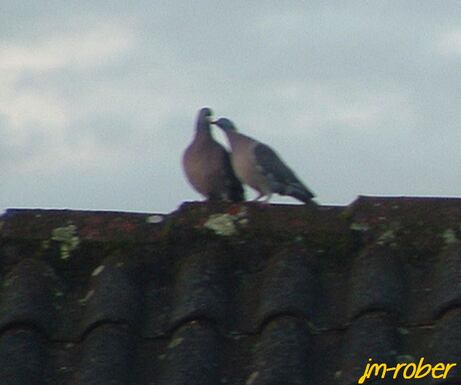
x: 251, y: 379
x: 98, y: 270
x: 359, y: 227
x: 222, y: 224
x: 386, y: 237
x: 68, y: 239
x: 85, y: 299
x: 449, y: 236
x: 243, y: 212
x: 175, y: 342
x: 154, y: 219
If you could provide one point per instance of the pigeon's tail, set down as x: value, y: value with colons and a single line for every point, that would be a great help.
x: 300, y: 192
x: 235, y: 191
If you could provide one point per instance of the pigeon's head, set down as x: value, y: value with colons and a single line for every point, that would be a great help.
x: 225, y: 124
x: 205, y: 115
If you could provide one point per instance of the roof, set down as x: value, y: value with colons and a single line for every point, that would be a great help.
x: 217, y: 293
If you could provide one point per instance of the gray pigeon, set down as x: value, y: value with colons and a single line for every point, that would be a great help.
x: 207, y: 164
x: 257, y: 165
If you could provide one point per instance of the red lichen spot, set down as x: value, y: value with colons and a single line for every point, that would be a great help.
x: 234, y: 209
x: 94, y: 221
x: 119, y: 225
x: 201, y: 222
x: 297, y: 222
x: 90, y: 231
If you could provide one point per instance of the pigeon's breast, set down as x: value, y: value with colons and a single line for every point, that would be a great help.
x: 193, y: 164
x: 247, y: 170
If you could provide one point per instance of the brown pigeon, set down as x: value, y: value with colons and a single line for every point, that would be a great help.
x: 207, y: 165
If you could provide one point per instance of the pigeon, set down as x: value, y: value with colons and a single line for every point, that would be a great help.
x: 207, y: 164
x: 258, y: 166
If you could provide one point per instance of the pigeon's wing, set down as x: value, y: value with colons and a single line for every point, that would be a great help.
x: 280, y: 177
x: 219, y: 177
x: 234, y: 189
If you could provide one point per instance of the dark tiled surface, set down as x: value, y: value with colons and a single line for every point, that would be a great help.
x: 229, y: 294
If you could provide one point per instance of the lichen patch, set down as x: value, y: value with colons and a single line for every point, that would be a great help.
x: 155, y: 219
x: 68, y: 239
x: 222, y: 224
x: 449, y: 237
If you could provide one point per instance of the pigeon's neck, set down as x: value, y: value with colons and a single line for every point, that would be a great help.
x: 235, y: 138
x: 203, y: 132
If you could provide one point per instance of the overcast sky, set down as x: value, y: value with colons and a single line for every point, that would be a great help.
x: 99, y: 99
